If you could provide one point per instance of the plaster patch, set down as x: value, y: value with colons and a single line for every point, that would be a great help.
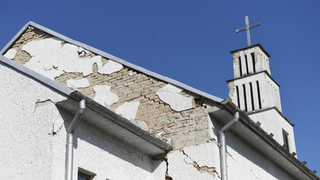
x: 104, y: 96
x: 129, y: 110
x: 171, y: 94
x: 51, y: 57
x: 80, y: 83
x: 110, y: 67
x: 10, y: 54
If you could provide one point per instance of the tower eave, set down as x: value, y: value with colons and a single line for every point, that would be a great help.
x: 259, y: 45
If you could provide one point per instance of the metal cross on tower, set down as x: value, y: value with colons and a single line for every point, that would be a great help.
x: 247, y: 29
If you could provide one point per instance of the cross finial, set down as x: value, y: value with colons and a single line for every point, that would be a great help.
x: 247, y: 29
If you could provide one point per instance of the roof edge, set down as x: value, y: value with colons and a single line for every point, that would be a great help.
x: 265, y: 71
x: 36, y: 76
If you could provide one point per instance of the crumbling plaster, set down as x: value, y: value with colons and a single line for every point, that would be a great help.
x: 51, y: 57
x: 122, y: 86
x: 32, y: 124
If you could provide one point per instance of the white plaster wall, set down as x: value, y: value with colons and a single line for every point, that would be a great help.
x: 272, y: 122
x: 28, y: 117
x: 109, y: 158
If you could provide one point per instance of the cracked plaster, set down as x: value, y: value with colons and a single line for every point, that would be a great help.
x: 186, y: 166
x: 171, y: 95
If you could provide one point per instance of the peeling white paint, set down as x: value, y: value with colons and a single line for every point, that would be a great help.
x: 171, y: 94
x: 104, y: 96
x: 129, y: 110
x: 10, y: 54
x: 51, y: 57
x: 110, y: 67
x: 79, y: 83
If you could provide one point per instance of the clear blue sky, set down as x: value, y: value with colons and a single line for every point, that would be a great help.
x: 190, y: 41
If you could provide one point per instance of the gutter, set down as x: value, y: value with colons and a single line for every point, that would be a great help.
x: 222, y: 150
x: 70, y: 131
x: 125, y: 124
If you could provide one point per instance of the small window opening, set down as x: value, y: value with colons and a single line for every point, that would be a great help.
x: 245, y: 97
x: 259, y: 96
x: 253, y: 62
x: 240, y: 66
x: 238, y: 98
x: 247, y: 67
x: 252, y: 100
x: 85, y: 175
x: 285, y: 139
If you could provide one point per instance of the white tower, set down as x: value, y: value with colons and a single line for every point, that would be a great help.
x: 254, y: 91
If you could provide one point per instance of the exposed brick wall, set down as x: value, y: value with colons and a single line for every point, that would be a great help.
x: 186, y: 128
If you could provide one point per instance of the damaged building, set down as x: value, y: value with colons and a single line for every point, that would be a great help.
x: 70, y: 111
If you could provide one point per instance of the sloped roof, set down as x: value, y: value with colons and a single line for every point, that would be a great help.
x: 109, y: 56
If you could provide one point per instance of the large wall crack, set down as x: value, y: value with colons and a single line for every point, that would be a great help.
x: 201, y: 169
x: 167, y: 177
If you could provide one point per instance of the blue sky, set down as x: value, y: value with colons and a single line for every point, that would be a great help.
x: 189, y: 41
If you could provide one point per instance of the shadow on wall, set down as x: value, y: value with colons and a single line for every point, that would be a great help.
x: 93, y: 145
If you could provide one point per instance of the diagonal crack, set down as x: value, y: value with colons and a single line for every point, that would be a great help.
x: 201, y: 169
x: 167, y: 177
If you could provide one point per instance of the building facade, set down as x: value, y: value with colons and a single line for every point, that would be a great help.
x: 135, y: 124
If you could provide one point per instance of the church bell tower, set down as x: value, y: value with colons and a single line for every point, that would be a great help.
x: 254, y: 91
